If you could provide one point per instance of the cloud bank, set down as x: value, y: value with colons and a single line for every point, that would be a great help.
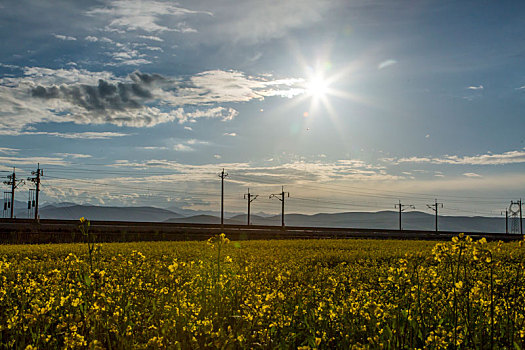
x: 511, y: 157
x: 137, y: 100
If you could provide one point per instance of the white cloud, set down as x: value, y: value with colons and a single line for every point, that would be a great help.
x: 154, y: 48
x: 480, y: 87
x: 225, y: 114
x: 196, y: 142
x: 130, y: 62
x: 47, y: 76
x: 230, y: 134
x: 84, y: 97
x: 471, y: 175
x: 73, y: 155
x: 256, y: 21
x: 89, y: 135
x: 188, y: 128
x: 386, y: 64
x: 92, y: 39
x: 232, y: 86
x: 182, y: 148
x: 290, y: 172
x: 135, y: 15
x: 154, y: 148
x: 510, y: 157
x: 64, y: 37
x: 151, y: 37
x: 9, y: 151
x: 17, y: 161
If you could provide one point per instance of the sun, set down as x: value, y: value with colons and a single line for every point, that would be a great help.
x: 317, y: 87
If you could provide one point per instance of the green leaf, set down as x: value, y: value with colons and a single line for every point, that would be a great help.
x: 388, y: 332
x: 87, y: 280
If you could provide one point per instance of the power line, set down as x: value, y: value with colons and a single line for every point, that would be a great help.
x: 320, y: 203
x: 364, y: 191
x: 14, y: 184
x: 36, y: 180
x: 402, y: 208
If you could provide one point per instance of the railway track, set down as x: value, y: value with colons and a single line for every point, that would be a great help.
x: 61, y: 231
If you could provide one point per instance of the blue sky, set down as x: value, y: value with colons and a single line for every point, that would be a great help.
x: 351, y: 105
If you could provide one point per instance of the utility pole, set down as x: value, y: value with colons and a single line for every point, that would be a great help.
x: 222, y: 175
x: 282, y: 196
x: 521, y: 219
x: 250, y: 197
x: 435, y: 207
x: 506, y: 220
x: 36, y: 180
x: 402, y: 209
x: 7, y: 203
x: 14, y: 184
x: 516, y: 217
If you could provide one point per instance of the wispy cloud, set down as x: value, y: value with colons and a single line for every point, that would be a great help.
x: 153, y: 148
x: 386, y: 63
x: 73, y: 155
x: 510, y: 157
x: 233, y: 134
x: 64, y: 37
x: 256, y: 21
x: 17, y: 161
x: 479, y: 87
x: 180, y: 147
x: 120, y: 61
x: 9, y: 151
x: 290, y: 172
x: 133, y: 15
x: 225, y: 114
x: 92, y: 39
x: 471, y: 175
x: 188, y: 145
x: 88, y: 135
x: 151, y: 37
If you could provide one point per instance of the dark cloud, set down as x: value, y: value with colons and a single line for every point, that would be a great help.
x: 141, y: 78
x: 105, y: 95
x: 42, y: 92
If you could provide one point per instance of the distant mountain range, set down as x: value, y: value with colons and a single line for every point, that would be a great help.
x: 382, y: 220
x: 145, y: 214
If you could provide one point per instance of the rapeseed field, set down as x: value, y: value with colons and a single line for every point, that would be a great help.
x: 302, y: 294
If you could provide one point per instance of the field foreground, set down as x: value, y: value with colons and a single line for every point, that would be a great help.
x: 263, y: 294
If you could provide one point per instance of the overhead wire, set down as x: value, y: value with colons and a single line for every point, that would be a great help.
x: 258, y: 180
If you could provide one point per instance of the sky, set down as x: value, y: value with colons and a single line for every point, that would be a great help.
x: 350, y: 105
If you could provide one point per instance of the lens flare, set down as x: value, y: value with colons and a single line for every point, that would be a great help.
x: 317, y: 87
